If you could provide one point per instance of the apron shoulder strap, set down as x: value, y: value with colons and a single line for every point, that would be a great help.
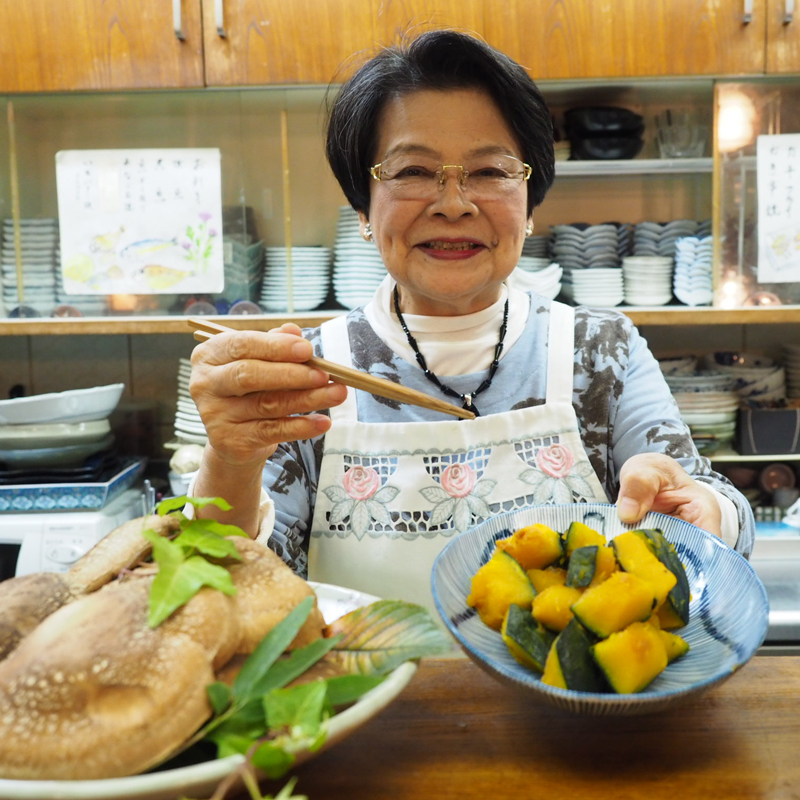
x: 336, y: 347
x: 560, y: 353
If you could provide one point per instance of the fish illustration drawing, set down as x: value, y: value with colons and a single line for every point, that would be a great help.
x: 106, y: 242
x: 159, y: 277
x: 146, y: 247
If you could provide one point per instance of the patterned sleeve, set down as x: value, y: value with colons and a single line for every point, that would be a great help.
x: 642, y: 415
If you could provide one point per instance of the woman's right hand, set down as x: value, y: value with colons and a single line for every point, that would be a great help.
x: 253, y: 392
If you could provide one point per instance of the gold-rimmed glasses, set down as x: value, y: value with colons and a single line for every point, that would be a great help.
x: 420, y: 178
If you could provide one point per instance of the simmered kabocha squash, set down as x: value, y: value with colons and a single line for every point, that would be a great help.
x: 606, y: 564
x: 525, y: 638
x: 676, y: 606
x: 582, y: 564
x: 674, y: 645
x: 550, y: 576
x: 576, y: 664
x: 621, y: 599
x: 631, y: 658
x: 499, y: 583
x: 553, y: 606
x: 580, y: 535
x: 533, y: 547
x: 553, y: 676
x: 636, y: 557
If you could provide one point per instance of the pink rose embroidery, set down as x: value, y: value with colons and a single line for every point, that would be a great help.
x: 458, y: 480
x: 361, y: 482
x: 555, y: 460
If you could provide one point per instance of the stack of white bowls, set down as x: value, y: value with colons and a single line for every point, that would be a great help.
x: 243, y: 266
x: 791, y: 365
x: 648, y: 280
x: 357, y: 265
x: 542, y: 277
x: 708, y: 404
x: 594, y: 287
x: 310, y: 278
x: 693, y: 279
x: 581, y: 246
x: 189, y: 428
x: 536, y: 246
x: 39, y: 246
x: 659, y: 238
x: 678, y: 365
x: 757, y: 379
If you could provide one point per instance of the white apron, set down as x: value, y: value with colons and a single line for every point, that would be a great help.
x: 391, y: 495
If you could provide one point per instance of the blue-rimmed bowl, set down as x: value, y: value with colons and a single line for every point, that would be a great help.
x: 728, y: 613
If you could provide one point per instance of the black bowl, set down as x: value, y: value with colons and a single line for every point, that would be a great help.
x: 593, y: 120
x: 597, y: 148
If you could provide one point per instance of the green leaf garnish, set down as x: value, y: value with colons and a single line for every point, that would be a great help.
x: 179, y: 503
x: 297, y: 710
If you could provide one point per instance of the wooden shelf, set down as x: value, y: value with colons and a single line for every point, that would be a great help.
x: 730, y: 455
x: 635, y: 166
x: 656, y: 315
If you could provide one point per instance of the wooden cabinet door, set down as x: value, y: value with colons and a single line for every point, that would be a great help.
x: 283, y: 41
x: 621, y: 38
x: 396, y: 18
x: 783, y: 37
x: 60, y: 45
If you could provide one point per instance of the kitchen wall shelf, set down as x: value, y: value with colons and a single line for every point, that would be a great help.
x: 656, y: 315
x: 635, y: 166
x: 729, y: 455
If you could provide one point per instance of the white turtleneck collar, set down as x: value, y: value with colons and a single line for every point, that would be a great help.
x: 451, y: 345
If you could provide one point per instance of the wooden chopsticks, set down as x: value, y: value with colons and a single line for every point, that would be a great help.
x: 204, y: 329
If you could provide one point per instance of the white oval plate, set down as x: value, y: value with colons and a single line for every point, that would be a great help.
x: 200, y: 780
x: 75, y: 405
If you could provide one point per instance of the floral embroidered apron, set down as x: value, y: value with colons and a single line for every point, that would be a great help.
x: 391, y: 495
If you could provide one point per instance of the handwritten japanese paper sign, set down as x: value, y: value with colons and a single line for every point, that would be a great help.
x: 778, y: 164
x: 140, y: 221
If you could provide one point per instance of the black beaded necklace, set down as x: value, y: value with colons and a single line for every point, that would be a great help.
x: 466, y: 398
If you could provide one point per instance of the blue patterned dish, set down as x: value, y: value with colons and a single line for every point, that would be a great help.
x: 728, y: 615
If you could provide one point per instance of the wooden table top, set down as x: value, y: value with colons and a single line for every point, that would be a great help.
x: 457, y: 733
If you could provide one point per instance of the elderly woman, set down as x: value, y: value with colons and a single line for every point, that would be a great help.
x: 444, y: 147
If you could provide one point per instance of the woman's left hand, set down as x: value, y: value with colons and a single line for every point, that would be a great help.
x: 655, y: 482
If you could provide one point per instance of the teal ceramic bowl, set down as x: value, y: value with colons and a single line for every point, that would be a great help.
x: 728, y: 615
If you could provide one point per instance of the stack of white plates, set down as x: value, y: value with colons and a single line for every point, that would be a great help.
x: 707, y: 402
x: 243, y: 267
x: 582, y: 246
x: 545, y: 281
x: 39, y: 243
x: 310, y: 278
x: 791, y: 365
x: 189, y: 428
x: 756, y: 378
x: 693, y: 280
x: 658, y: 238
x: 594, y: 287
x: 357, y: 265
x: 59, y: 429
x: 677, y: 365
x: 648, y: 280
x: 536, y: 246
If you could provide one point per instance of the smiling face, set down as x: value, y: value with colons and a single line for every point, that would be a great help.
x: 449, y: 253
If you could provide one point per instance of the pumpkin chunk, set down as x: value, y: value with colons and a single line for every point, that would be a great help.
x: 533, y: 547
x: 550, y: 576
x: 630, y: 659
x: 580, y: 535
x: 614, y: 604
x: 525, y: 638
x: 499, y: 583
x: 636, y: 557
x: 552, y: 607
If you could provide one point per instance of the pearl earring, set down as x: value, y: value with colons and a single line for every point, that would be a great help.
x: 367, y: 232
x: 529, y: 229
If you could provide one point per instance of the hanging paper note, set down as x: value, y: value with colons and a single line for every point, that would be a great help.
x: 778, y: 164
x: 140, y: 221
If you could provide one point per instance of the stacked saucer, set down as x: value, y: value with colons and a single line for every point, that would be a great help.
x: 693, y: 278
x: 310, y: 278
x: 757, y: 379
x: 357, y: 266
x: 581, y: 246
x: 544, y: 280
x: 536, y: 246
x: 791, y: 364
x: 39, y: 245
x: 594, y: 287
x: 189, y: 428
x: 658, y: 238
x: 648, y: 280
x: 708, y: 404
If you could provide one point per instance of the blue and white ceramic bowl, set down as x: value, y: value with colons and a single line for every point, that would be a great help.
x: 727, y: 623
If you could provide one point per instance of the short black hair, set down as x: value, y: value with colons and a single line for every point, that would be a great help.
x: 437, y: 59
